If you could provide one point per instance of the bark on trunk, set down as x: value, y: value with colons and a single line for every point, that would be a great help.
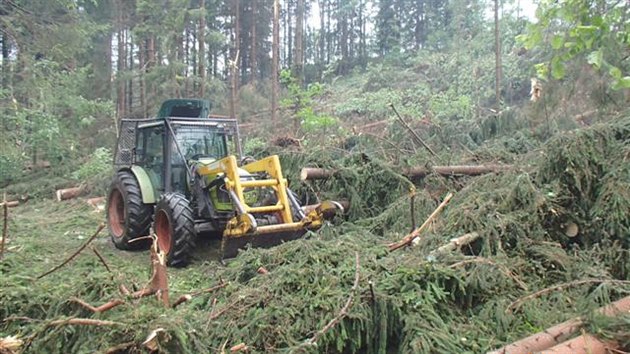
x: 557, y: 334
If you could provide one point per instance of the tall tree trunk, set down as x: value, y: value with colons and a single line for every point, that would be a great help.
x: 202, y: 50
x: 237, y: 39
x: 275, y: 61
x: 234, y: 61
x: 322, y: 33
x: 253, y: 56
x: 497, y: 54
x: 142, y: 50
x: 329, y: 34
x: 5, y: 62
x: 343, y: 43
x: 130, y: 66
x: 120, y: 67
x: 289, y: 61
x: 298, y: 66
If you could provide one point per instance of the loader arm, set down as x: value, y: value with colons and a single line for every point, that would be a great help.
x: 243, y: 228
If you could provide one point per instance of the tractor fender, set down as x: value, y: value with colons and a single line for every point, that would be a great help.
x: 146, y: 187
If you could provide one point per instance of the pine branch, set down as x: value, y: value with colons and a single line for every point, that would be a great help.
x: 100, y: 227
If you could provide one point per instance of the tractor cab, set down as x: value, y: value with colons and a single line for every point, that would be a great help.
x: 182, y: 136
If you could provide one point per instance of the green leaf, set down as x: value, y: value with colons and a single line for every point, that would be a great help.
x: 557, y: 41
x: 615, y: 72
x: 622, y: 83
x: 557, y: 68
x: 542, y: 70
x: 596, y: 58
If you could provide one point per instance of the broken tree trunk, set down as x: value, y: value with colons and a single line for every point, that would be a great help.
x: 312, y: 173
x: 68, y: 193
x: 159, y: 279
x: 560, y: 332
x: 456, y: 243
x: 409, y: 238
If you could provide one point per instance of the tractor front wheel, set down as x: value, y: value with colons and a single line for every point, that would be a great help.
x: 174, y: 227
x: 127, y: 216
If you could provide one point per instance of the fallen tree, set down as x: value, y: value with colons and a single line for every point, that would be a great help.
x: 557, y: 334
x: 313, y: 173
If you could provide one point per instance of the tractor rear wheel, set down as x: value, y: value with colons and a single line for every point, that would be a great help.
x: 175, y: 229
x: 127, y: 217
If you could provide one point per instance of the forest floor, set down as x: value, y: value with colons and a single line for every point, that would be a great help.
x: 343, y: 289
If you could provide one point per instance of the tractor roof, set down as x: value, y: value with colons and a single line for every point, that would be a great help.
x: 185, y: 108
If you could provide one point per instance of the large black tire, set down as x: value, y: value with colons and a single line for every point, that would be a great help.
x: 127, y: 216
x: 174, y: 227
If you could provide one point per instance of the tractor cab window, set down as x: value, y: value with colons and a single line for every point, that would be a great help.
x: 200, y: 142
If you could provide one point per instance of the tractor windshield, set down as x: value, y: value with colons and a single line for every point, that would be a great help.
x: 200, y: 141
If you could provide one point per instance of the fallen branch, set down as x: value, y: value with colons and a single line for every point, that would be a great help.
x: 554, y: 335
x: 142, y: 293
x: 239, y: 347
x: 68, y: 193
x: 10, y: 203
x: 215, y: 315
x: 414, y: 135
x: 456, y: 243
x: 106, y: 306
x: 344, y: 310
x: 101, y: 259
x: 121, y: 348
x: 501, y: 268
x: 519, y: 302
x: 468, y: 170
x: 187, y: 297
x: 409, y: 238
x: 83, y: 322
x: 100, y: 227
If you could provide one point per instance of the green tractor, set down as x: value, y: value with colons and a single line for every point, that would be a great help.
x: 179, y: 174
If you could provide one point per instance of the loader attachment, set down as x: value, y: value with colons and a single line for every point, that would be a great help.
x: 265, y: 225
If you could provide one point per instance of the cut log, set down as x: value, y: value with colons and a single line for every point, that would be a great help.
x: 68, y: 193
x: 10, y: 204
x: 557, y: 334
x: 97, y: 203
x: 312, y: 173
x: 344, y: 203
x: 584, y: 344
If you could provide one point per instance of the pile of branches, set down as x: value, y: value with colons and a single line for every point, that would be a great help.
x: 510, y: 254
